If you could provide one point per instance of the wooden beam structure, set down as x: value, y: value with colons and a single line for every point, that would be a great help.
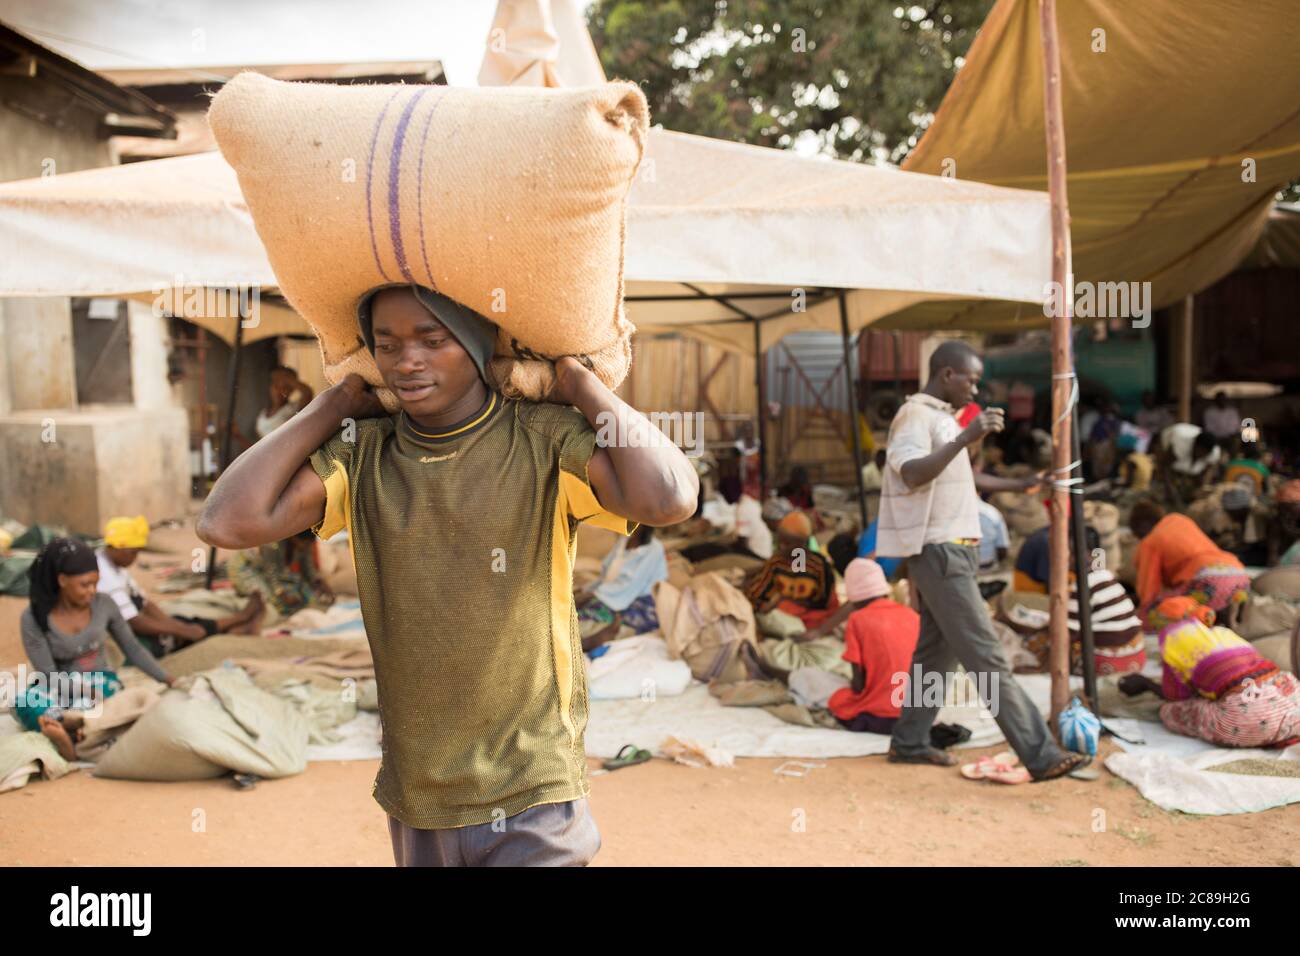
x: 1063, y: 379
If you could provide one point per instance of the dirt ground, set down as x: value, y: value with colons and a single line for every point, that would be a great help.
x: 860, y: 811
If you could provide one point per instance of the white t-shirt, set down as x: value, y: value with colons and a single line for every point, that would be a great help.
x: 268, y: 422
x: 944, y: 510
x: 118, y: 584
x: 751, y: 527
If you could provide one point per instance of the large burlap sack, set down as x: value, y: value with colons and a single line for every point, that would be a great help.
x: 710, y: 625
x: 507, y: 200
x: 1024, y: 513
x: 221, y: 722
x: 1264, y: 616
x: 1280, y: 582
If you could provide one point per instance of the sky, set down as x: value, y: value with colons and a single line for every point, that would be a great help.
x: 116, y: 34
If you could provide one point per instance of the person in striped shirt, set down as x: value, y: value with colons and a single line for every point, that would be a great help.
x: 1118, y: 645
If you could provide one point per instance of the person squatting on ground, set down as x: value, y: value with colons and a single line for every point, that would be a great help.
x: 928, y: 515
x: 462, y: 509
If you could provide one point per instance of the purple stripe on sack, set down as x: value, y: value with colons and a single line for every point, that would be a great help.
x: 419, y: 193
x: 370, y: 173
x: 394, y: 183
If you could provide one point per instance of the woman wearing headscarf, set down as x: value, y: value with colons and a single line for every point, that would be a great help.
x: 65, y: 629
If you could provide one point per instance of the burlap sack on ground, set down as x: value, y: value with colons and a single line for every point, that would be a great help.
x: 710, y: 625
x: 220, y: 722
x: 508, y: 200
x: 1024, y: 513
x: 1264, y: 616
x: 1281, y: 582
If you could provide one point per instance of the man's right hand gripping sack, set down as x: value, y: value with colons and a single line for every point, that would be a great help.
x: 510, y: 201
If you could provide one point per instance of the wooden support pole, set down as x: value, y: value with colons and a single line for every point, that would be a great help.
x: 1062, y: 364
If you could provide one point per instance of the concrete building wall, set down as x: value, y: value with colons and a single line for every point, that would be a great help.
x: 38, y: 353
x: 150, y: 343
x: 45, y: 131
x: 60, y: 464
x: 80, y: 467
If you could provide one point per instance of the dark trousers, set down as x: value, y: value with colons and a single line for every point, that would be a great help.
x: 955, y: 628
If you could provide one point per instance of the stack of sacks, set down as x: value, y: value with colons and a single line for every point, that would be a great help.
x: 509, y: 201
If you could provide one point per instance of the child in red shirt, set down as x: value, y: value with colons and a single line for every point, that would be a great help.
x: 879, y: 641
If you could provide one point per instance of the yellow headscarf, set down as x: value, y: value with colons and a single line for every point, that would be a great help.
x: 127, y: 532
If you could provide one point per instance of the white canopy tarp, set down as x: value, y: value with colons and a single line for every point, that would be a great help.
x: 724, y: 217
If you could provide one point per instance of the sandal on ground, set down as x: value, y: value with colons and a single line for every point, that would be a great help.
x: 1071, y: 763
x: 627, y: 756
x: 986, y: 767
x: 931, y: 755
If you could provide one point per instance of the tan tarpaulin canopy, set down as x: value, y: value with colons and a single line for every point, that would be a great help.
x: 1181, y: 124
x: 725, y: 217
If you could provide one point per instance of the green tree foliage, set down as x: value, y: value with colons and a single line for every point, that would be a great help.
x: 855, y: 79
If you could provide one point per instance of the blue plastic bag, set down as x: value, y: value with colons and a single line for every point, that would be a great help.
x: 1080, y: 729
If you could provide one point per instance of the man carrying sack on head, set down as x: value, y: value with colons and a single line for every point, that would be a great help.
x: 396, y: 219
x: 462, y: 509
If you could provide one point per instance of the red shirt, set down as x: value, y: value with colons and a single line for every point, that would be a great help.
x: 880, y: 638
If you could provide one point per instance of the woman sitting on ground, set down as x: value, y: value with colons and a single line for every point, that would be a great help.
x: 65, y: 630
x: 1175, y: 558
x: 1219, y: 689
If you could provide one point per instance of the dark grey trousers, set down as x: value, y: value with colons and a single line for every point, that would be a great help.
x: 551, y: 834
x: 955, y: 628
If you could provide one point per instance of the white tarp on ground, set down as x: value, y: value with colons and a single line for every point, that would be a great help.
x: 742, y: 731
x: 1187, y: 784
x: 727, y: 216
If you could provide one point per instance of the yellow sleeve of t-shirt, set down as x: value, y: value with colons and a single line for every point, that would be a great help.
x: 580, y: 503
x: 337, y: 504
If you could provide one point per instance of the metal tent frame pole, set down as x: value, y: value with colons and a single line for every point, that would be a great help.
x: 853, y: 409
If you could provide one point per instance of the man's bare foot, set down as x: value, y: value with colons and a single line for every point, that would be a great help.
x: 252, y: 615
x: 58, y: 736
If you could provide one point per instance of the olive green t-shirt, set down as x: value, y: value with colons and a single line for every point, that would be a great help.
x: 464, y: 548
